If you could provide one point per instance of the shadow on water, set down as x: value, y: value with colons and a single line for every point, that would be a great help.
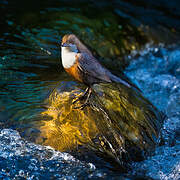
x: 29, y: 48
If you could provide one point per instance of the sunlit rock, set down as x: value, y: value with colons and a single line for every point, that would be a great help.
x: 118, y: 122
x: 68, y: 127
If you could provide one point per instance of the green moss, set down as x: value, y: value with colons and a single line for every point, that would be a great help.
x: 129, y: 118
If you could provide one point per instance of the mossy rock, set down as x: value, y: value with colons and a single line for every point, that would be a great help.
x: 118, y: 122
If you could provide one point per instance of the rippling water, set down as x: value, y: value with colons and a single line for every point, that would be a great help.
x: 29, y: 52
x: 22, y: 159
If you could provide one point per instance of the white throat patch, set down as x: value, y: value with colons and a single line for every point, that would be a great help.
x: 68, y: 57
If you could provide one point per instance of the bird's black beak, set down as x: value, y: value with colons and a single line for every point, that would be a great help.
x: 64, y: 45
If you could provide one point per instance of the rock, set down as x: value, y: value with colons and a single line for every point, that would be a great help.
x: 118, y: 123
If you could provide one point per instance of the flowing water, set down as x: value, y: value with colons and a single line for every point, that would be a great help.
x: 120, y: 33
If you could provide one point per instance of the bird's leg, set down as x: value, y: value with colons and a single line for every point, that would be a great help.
x: 89, y: 91
x: 88, y: 95
x: 82, y: 96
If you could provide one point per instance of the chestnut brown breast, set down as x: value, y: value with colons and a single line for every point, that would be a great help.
x: 74, y: 71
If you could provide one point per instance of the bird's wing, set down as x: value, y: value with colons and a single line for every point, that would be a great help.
x: 89, y: 65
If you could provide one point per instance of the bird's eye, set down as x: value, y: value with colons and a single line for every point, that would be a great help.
x: 64, y: 45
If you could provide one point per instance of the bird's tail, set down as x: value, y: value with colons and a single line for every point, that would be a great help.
x: 122, y: 81
x: 117, y: 79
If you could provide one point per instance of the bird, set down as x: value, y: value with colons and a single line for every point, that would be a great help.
x: 79, y: 62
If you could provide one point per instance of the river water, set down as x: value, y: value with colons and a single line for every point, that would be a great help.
x: 140, y: 38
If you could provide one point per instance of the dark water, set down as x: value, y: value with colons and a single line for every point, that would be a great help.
x: 30, y: 66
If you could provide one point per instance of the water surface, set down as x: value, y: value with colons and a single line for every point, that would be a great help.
x: 117, y: 32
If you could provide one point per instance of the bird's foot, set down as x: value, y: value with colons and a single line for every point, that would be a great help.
x: 82, y: 96
x: 86, y: 95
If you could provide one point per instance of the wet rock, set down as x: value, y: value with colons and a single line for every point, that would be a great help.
x: 118, y: 122
x: 20, y: 159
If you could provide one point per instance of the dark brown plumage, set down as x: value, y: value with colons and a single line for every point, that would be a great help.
x: 79, y: 62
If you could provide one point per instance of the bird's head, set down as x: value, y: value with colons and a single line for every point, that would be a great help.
x: 70, y: 43
x: 73, y: 44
